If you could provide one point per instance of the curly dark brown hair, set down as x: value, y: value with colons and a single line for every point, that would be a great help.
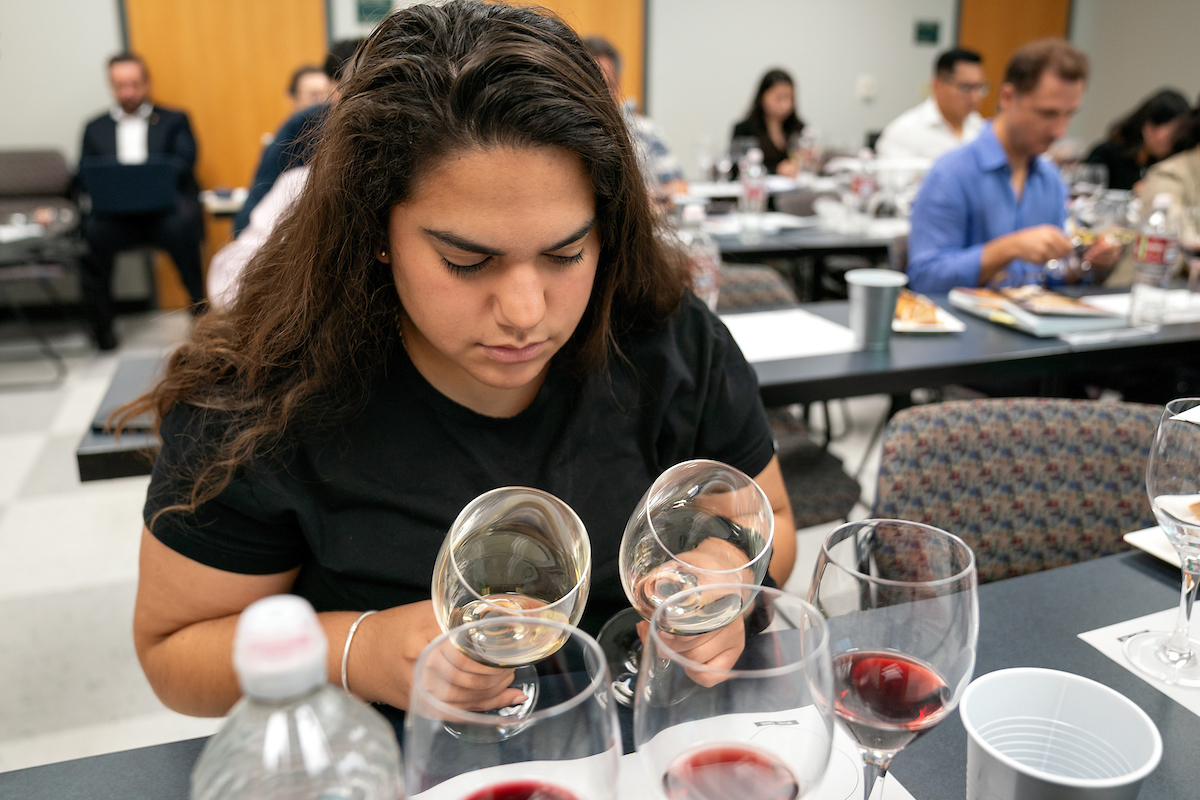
x: 315, y: 317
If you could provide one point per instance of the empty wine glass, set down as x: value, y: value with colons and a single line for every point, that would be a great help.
x: 701, y: 522
x: 761, y: 729
x: 1085, y: 179
x: 900, y: 599
x: 516, y: 554
x: 1173, y: 484
x: 569, y: 746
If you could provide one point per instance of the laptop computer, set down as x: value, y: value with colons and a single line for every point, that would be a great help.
x: 117, y: 188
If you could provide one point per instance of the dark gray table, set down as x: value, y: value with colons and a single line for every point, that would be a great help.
x: 796, y: 245
x: 1030, y: 621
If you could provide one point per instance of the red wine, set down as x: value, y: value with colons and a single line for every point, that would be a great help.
x: 887, y: 699
x: 729, y: 772
x: 523, y: 790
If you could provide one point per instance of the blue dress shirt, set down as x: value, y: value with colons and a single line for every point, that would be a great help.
x: 967, y: 200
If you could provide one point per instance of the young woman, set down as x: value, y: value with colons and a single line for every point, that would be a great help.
x: 468, y: 293
x: 772, y: 121
x: 1141, y: 139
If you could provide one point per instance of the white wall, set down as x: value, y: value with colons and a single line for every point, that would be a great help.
x: 52, y: 70
x: 706, y: 58
x: 1136, y: 47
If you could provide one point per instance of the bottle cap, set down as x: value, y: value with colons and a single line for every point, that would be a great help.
x: 1163, y: 200
x: 754, y: 155
x: 693, y: 214
x: 279, y: 648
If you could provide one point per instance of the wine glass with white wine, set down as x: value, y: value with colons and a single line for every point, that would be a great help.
x: 514, y: 553
x: 1173, y: 484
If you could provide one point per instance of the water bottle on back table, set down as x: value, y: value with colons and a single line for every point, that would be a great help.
x: 704, y: 256
x: 753, y: 202
x: 1156, y: 252
x: 293, y: 735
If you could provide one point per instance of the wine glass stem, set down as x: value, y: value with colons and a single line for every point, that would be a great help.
x: 1178, y: 647
x: 875, y: 767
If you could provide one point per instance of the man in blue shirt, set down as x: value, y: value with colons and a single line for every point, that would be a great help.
x: 991, y: 213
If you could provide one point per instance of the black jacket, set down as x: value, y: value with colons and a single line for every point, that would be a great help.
x: 169, y: 134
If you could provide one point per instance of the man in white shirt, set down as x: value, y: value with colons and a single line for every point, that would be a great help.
x: 130, y: 133
x: 947, y: 119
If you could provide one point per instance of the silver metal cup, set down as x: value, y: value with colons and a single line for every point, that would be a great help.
x: 873, y: 294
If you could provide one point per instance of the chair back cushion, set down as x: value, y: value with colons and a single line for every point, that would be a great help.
x: 33, y: 172
x: 752, y: 286
x: 1029, y: 483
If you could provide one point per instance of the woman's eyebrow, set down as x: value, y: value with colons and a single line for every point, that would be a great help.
x: 454, y: 240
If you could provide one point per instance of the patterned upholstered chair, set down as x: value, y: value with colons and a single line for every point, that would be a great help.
x: 750, y: 286
x: 1030, y: 484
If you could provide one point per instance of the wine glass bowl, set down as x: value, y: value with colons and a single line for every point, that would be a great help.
x: 760, y: 729
x: 569, y: 745
x: 1173, y: 486
x: 900, y: 599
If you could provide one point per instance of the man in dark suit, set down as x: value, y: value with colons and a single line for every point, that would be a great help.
x: 132, y: 131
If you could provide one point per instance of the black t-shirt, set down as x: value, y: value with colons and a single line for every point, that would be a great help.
x: 363, y: 508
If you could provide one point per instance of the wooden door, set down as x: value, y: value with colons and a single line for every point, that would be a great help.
x: 227, y: 63
x: 622, y: 23
x: 996, y: 29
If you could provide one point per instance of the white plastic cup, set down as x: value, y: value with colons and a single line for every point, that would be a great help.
x: 1041, y: 734
x: 873, y: 295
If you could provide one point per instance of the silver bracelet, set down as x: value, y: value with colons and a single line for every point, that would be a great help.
x: 349, y: 639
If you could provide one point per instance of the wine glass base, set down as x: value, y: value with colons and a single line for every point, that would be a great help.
x: 622, y: 648
x: 1147, y: 652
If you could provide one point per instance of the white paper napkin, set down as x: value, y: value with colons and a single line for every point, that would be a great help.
x: 1111, y: 639
x: 1181, y: 305
x: 789, y: 333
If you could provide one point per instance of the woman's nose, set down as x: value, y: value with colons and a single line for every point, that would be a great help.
x: 520, y: 298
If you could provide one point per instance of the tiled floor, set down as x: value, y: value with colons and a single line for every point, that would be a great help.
x: 70, y: 684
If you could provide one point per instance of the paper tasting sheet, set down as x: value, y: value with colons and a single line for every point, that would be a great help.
x: 1110, y: 641
x: 789, y: 333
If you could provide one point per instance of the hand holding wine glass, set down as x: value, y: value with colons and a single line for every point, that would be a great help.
x: 900, y: 599
x: 1173, y: 484
x: 700, y: 523
x: 759, y: 729
x: 513, y: 554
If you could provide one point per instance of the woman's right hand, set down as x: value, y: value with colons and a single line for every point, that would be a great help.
x: 384, y: 653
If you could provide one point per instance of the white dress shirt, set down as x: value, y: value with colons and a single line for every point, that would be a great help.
x: 133, y: 130
x: 923, y: 132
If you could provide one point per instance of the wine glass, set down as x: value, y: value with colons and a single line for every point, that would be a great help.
x: 1092, y: 219
x: 1189, y: 242
x: 513, y: 552
x: 569, y: 745
x: 1173, y: 484
x: 759, y: 730
x: 900, y: 599
x: 701, y: 522
x: 1083, y: 179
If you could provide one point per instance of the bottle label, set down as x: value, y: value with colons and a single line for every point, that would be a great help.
x: 1155, y: 250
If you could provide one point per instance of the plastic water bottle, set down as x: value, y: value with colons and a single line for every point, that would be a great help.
x: 293, y: 735
x: 1155, y: 252
x: 753, y: 202
x: 704, y: 255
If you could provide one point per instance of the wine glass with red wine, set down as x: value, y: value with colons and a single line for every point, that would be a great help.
x: 761, y: 727
x: 514, y: 553
x: 700, y: 522
x: 900, y: 599
x: 569, y: 744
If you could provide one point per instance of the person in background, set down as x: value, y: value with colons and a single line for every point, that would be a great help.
x: 772, y: 121
x: 469, y: 293
x: 310, y: 86
x: 947, y: 119
x: 991, y: 213
x: 1147, y: 135
x: 661, y: 168
x: 134, y: 129
x: 293, y: 143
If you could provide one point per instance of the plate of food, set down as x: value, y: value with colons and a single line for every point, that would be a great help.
x: 916, y: 313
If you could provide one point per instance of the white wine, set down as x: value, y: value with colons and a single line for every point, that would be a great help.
x: 1179, y: 516
x: 514, y: 644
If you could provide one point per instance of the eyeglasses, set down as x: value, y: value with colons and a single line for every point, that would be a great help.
x: 980, y: 89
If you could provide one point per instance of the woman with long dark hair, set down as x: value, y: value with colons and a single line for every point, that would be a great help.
x: 1144, y: 137
x: 772, y: 121
x: 470, y: 292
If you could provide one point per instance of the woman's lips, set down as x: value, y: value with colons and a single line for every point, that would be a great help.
x: 515, y: 355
